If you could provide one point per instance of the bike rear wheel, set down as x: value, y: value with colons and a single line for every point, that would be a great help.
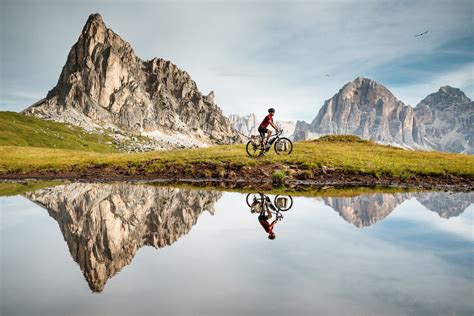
x: 254, y: 149
x: 283, y: 146
x: 252, y: 197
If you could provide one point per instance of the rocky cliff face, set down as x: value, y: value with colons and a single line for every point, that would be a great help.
x: 369, y: 110
x: 448, y: 119
x: 104, y: 225
x: 103, y: 85
x: 248, y: 125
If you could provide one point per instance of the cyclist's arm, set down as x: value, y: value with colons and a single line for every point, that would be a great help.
x: 273, y: 125
x: 273, y: 223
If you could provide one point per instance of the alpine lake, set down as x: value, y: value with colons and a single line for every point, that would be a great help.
x: 148, y: 249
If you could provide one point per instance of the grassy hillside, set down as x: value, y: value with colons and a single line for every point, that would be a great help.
x: 355, y: 157
x: 21, y: 130
x: 16, y: 188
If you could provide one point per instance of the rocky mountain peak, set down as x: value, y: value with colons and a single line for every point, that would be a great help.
x: 447, y: 117
x: 105, y: 86
x: 94, y: 24
x: 367, y: 109
x: 444, y: 97
x: 210, y: 96
x: 365, y: 91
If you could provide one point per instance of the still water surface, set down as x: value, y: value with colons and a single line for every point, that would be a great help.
x: 109, y: 249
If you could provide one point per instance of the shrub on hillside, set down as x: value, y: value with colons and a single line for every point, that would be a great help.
x: 341, y: 138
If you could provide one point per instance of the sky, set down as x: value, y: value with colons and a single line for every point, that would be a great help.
x: 290, y: 55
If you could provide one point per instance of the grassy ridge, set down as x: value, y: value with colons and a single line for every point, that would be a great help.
x: 16, y: 188
x: 359, y: 157
x: 21, y: 130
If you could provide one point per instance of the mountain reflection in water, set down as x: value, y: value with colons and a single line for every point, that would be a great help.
x: 105, y: 224
x: 368, y: 209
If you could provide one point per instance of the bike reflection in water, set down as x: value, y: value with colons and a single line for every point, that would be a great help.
x: 262, y: 204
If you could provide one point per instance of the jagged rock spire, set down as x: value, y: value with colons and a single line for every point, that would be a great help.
x: 104, y: 84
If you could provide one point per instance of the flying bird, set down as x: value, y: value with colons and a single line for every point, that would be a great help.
x: 421, y: 34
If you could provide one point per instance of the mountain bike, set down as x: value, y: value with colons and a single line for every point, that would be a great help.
x: 256, y: 148
x: 259, y: 202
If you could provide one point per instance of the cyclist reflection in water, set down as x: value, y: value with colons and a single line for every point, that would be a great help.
x: 261, y: 204
x: 264, y: 206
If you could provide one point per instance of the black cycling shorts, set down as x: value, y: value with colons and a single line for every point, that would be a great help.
x: 262, y: 130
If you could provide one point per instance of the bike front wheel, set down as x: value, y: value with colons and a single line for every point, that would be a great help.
x: 283, y: 202
x: 283, y: 146
x: 253, y: 149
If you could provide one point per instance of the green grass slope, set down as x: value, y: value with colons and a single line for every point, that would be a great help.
x: 20, y: 130
x: 16, y: 188
x: 360, y: 157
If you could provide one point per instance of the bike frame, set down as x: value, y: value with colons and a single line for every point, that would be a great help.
x: 267, y: 205
x: 274, y: 137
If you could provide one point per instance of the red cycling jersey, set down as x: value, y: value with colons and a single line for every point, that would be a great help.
x: 266, y: 225
x: 266, y: 121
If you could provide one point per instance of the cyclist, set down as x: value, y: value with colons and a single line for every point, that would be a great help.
x: 263, y: 128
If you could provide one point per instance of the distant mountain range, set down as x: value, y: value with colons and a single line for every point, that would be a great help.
x: 248, y: 124
x: 105, y: 86
x: 442, y: 121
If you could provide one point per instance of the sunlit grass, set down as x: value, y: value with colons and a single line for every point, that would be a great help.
x: 16, y: 188
x: 20, y: 130
x: 355, y: 157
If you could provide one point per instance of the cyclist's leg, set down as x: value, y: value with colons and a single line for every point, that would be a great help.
x: 262, y: 138
x: 262, y: 131
x: 269, y: 134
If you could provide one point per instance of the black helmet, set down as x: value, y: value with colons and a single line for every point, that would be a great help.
x: 271, y: 110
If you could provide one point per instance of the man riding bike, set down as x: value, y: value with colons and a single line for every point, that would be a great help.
x: 262, y: 129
